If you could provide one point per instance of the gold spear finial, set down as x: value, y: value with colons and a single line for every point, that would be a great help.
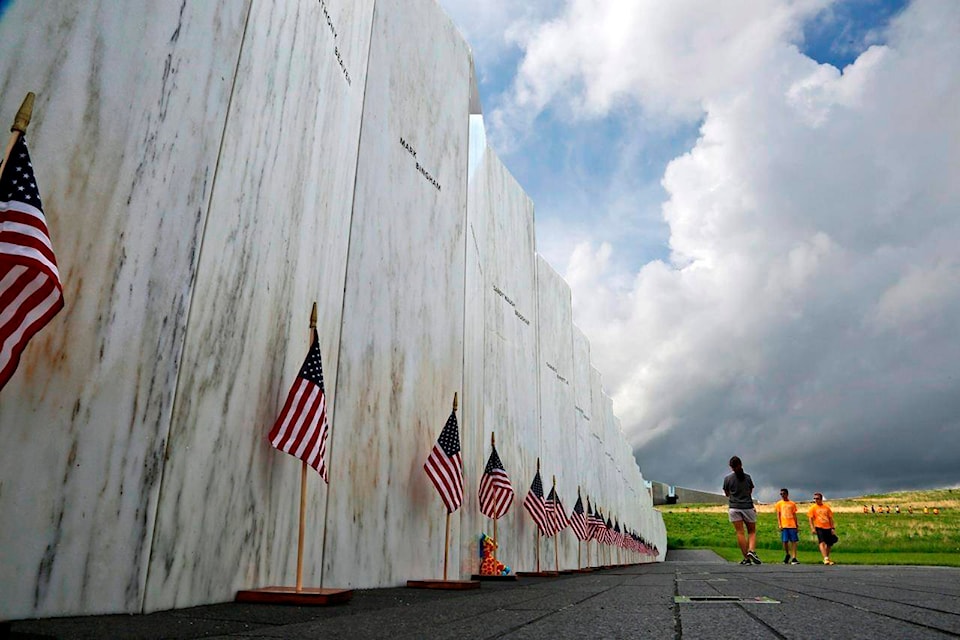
x: 22, y: 121
x: 493, y: 439
x: 454, y: 400
x: 313, y: 316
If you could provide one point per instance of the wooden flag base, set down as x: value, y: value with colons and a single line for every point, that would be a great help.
x: 507, y: 578
x: 444, y: 584
x: 585, y: 570
x: 307, y: 596
x: 537, y: 574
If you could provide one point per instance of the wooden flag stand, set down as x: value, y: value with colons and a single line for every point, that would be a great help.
x: 445, y: 583
x: 479, y: 576
x: 298, y: 595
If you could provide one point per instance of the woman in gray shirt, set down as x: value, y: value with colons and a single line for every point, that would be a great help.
x: 738, y: 487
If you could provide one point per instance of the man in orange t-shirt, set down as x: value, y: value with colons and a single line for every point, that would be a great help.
x: 821, y: 523
x: 786, y: 510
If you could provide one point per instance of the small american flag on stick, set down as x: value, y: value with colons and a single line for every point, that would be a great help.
x: 30, y: 289
x: 444, y: 466
x: 301, y: 429
x: 533, y: 503
x: 555, y: 512
x: 496, y: 492
x: 578, y: 521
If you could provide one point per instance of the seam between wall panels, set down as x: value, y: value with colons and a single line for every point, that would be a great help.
x: 343, y: 298
x: 203, y: 234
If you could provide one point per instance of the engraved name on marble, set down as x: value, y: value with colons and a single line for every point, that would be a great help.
x: 336, y: 48
x: 557, y: 373
x: 423, y: 171
x: 513, y: 304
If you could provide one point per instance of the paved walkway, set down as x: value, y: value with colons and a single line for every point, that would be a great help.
x: 717, y: 600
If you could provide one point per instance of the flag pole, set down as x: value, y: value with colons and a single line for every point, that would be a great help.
x: 446, y: 541
x: 20, y: 124
x: 556, y: 540
x: 579, y: 546
x: 538, y: 528
x: 493, y: 444
x: 303, y: 482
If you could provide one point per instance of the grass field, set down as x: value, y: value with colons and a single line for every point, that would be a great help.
x: 872, y: 538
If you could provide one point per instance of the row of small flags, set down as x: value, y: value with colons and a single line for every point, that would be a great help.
x: 302, y: 431
x: 31, y: 294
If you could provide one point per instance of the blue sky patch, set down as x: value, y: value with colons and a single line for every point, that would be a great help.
x: 844, y: 30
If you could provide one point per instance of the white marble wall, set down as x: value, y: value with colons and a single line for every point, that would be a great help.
x: 125, y: 138
x: 582, y: 401
x: 501, y: 222
x: 208, y: 172
x: 276, y: 241
x: 401, y: 345
x: 558, y: 437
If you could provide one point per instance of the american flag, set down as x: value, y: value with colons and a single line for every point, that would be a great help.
x: 555, y: 514
x: 595, y: 521
x: 444, y: 466
x: 533, y: 503
x: 578, y: 521
x: 608, y: 532
x: 30, y: 289
x: 496, y: 492
x: 301, y: 429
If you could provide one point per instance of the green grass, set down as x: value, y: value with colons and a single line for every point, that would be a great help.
x: 917, y: 539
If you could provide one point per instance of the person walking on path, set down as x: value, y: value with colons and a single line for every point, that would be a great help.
x: 786, y: 510
x: 738, y: 487
x: 821, y: 523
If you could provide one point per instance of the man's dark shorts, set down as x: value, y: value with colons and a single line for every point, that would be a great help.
x: 826, y: 536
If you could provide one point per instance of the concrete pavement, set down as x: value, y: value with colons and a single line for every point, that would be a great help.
x: 695, y: 594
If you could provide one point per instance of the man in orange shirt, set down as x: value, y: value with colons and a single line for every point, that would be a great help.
x: 821, y: 523
x: 786, y: 510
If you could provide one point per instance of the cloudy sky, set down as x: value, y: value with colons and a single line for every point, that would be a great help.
x: 757, y: 207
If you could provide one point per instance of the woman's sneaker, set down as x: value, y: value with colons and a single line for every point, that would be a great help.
x: 753, y: 557
x: 794, y: 561
x: 828, y: 561
x: 746, y: 561
x: 786, y: 558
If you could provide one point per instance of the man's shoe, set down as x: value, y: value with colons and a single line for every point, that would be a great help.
x: 794, y: 561
x: 746, y: 561
x: 786, y: 558
x: 753, y: 557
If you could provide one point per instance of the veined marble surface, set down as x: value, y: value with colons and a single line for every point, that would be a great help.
x: 275, y: 241
x: 501, y: 223
x: 583, y: 401
x: 124, y: 139
x: 558, y: 437
x: 401, y: 345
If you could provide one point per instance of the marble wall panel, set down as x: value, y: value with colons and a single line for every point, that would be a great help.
x: 594, y: 483
x: 401, y: 344
x: 582, y: 401
x: 471, y: 432
x: 501, y: 219
x: 557, y: 415
x: 276, y: 241
x: 124, y: 140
